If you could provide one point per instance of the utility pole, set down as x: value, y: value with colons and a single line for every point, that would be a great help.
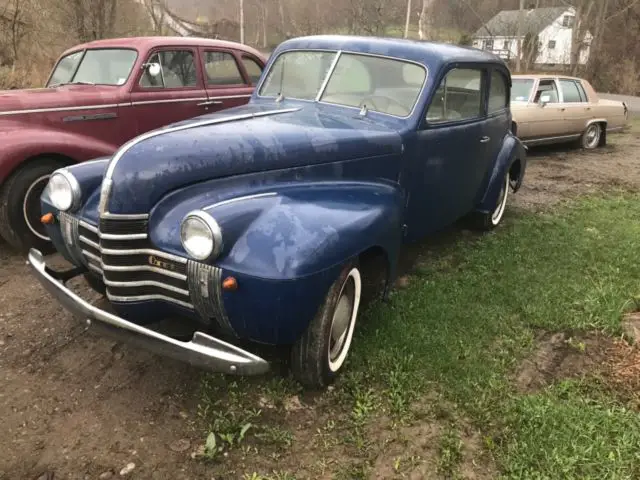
x: 241, y: 21
x: 520, y: 29
x: 406, y: 24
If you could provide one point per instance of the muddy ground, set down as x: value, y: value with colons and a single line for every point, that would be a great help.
x: 79, y: 406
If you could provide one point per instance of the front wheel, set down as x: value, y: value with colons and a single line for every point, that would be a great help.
x: 318, y: 355
x: 20, y: 209
x: 490, y: 220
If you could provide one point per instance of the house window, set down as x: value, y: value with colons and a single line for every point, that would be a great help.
x: 488, y: 44
x: 505, y: 45
x: 552, y: 44
x: 567, y: 20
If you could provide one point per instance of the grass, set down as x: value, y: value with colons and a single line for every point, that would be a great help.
x: 468, y: 317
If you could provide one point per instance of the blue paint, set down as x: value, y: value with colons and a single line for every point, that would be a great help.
x: 298, y: 194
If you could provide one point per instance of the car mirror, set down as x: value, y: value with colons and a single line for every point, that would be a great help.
x: 544, y: 99
x: 153, y: 69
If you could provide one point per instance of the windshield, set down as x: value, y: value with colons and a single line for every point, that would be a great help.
x: 521, y: 89
x: 382, y: 84
x: 104, y: 67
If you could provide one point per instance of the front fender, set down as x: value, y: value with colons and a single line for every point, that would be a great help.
x: 293, y: 230
x: 20, y: 143
x: 511, y: 152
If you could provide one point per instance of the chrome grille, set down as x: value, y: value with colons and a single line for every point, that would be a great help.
x: 120, y: 252
x: 132, y: 270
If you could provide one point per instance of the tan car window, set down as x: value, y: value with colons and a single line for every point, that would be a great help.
x: 498, y: 93
x: 459, y: 97
x: 547, y: 88
x: 570, y: 92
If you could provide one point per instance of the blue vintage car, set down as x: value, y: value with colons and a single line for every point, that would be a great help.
x: 255, y: 223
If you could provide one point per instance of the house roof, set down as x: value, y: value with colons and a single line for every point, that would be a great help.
x: 505, y: 23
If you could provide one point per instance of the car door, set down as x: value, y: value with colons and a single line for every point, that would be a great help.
x: 227, y: 84
x: 176, y: 93
x: 543, y: 119
x: 498, y: 116
x: 576, y: 108
x: 450, y: 159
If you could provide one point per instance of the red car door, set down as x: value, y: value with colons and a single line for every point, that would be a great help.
x: 176, y: 93
x: 229, y: 77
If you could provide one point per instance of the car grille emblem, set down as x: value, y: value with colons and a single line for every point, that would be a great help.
x: 157, y: 262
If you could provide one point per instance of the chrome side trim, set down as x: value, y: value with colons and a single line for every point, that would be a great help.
x: 546, y: 139
x: 124, y: 216
x: 145, y: 268
x: 59, y: 109
x: 238, y: 199
x: 144, y: 251
x: 173, y: 100
x: 146, y: 283
x: 106, y: 187
x: 141, y: 298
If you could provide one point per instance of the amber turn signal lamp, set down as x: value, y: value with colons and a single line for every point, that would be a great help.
x: 230, y: 283
x: 47, y: 218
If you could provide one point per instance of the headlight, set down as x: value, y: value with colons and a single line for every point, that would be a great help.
x: 63, y: 190
x: 201, y: 235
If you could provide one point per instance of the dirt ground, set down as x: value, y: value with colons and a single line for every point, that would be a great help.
x: 79, y: 406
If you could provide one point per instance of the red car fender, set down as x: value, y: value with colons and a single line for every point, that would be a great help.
x: 19, y: 145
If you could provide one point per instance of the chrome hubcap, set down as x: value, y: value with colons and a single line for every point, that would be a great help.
x: 340, y: 326
x: 344, y: 319
x: 502, y: 202
x: 593, y: 136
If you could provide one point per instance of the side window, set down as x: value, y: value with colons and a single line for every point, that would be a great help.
x: 221, y: 69
x: 459, y: 97
x: 583, y: 94
x: 177, y: 70
x: 498, y: 99
x: 570, y: 92
x: 254, y: 70
x: 548, y: 89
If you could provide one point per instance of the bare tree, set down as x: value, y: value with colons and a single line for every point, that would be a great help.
x: 406, y: 24
x: 519, y: 36
x: 241, y: 21
x: 425, y: 23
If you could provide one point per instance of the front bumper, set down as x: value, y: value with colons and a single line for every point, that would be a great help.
x: 201, y: 351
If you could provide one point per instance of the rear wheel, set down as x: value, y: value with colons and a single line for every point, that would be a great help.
x: 20, y: 208
x: 319, y: 354
x: 490, y: 220
x: 591, y: 137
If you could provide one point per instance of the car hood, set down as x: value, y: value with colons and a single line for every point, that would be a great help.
x: 18, y: 101
x: 243, y: 140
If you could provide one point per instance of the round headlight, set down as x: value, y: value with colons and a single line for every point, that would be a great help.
x: 201, y: 235
x: 63, y: 190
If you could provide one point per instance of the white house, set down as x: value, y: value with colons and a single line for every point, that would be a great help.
x: 553, y: 26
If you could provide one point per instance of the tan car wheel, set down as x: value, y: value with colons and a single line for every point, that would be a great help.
x: 591, y: 136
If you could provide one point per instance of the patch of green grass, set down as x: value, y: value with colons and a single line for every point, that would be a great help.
x: 567, y: 433
x: 450, y: 453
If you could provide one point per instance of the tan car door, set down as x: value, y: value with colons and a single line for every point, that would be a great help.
x: 576, y: 111
x: 544, y: 116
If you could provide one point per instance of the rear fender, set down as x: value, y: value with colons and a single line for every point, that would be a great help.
x: 511, y: 158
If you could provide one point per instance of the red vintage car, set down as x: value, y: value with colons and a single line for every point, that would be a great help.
x: 99, y: 96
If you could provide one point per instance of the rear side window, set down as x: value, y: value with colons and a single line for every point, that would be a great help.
x: 570, y: 92
x: 498, y: 98
x: 254, y: 70
x: 221, y: 69
x: 458, y: 97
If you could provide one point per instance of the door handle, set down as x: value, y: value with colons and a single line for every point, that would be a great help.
x: 210, y: 102
x: 485, y: 139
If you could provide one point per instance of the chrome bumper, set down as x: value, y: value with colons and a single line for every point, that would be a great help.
x: 202, y: 351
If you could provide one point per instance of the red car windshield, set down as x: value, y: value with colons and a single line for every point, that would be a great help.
x: 109, y: 66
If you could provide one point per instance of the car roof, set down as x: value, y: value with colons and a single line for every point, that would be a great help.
x: 534, y: 76
x: 145, y: 43
x: 422, y: 52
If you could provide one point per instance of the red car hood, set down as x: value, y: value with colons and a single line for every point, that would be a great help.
x: 65, y: 96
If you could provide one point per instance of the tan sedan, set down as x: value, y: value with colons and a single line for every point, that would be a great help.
x: 556, y: 109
